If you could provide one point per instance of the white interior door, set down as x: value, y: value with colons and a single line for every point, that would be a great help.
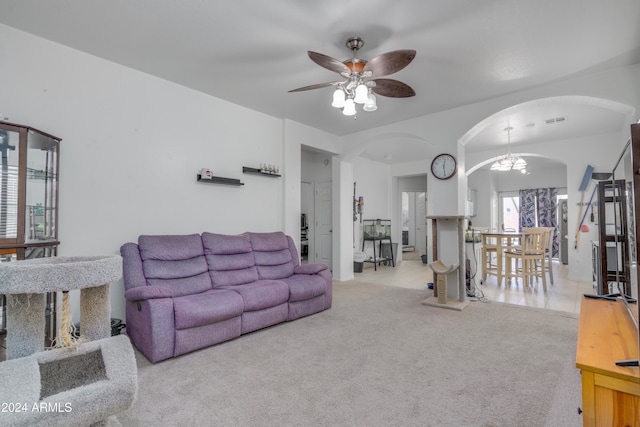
x: 323, y: 226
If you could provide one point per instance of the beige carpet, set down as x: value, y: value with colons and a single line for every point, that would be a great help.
x: 377, y: 358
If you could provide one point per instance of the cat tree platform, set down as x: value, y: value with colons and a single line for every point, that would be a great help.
x: 65, y: 387
x: 84, y: 384
x: 25, y: 284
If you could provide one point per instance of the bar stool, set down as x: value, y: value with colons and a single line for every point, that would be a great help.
x: 522, y: 263
x: 489, y: 251
x: 549, y: 251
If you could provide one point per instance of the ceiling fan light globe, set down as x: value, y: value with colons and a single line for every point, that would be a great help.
x: 349, y: 107
x: 361, y: 94
x: 505, y: 165
x: 371, y: 104
x: 338, y: 98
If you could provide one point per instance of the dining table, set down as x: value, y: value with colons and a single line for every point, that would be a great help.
x: 498, y: 242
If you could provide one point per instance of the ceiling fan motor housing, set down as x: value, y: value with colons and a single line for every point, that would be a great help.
x: 355, y: 64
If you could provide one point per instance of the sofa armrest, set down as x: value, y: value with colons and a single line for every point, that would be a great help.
x: 147, y: 292
x: 309, y: 268
x: 132, y: 271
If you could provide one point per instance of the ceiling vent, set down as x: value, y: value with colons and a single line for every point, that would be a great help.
x: 556, y: 120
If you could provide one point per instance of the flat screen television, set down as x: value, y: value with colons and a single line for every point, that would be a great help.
x: 627, y: 168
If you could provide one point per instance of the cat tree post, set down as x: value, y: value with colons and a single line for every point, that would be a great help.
x: 27, y: 311
x: 95, y: 315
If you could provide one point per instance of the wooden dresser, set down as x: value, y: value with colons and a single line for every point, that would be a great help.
x: 610, y: 393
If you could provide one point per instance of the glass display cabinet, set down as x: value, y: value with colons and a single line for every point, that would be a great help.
x: 29, y: 200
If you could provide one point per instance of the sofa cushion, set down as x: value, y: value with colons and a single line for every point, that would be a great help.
x: 230, y: 259
x: 303, y: 286
x: 262, y: 294
x: 205, y: 308
x: 233, y: 277
x: 272, y: 255
x: 175, y: 262
x: 171, y: 247
x: 184, y: 285
x: 224, y: 244
x: 154, y: 269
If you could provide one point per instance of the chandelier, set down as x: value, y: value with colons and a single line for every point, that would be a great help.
x: 509, y: 161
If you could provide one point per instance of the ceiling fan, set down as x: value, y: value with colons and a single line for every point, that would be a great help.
x: 362, y: 77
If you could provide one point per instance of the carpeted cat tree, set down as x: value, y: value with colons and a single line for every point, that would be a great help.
x: 83, y: 381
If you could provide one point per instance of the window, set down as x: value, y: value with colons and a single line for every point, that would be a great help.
x: 509, y: 211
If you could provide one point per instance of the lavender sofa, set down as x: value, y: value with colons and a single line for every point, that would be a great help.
x: 186, y: 292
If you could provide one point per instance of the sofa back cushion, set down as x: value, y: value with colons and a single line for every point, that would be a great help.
x: 175, y: 262
x: 230, y: 259
x: 272, y: 255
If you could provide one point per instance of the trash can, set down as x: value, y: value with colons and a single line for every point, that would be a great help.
x: 358, y: 261
x: 385, y: 252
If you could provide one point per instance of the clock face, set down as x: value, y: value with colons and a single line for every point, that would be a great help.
x: 443, y: 166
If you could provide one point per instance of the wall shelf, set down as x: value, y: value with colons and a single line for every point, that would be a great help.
x: 255, y: 171
x: 220, y: 180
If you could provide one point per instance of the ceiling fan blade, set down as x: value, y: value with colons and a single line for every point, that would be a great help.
x: 329, y: 63
x: 315, y: 86
x: 392, y: 88
x: 390, y: 62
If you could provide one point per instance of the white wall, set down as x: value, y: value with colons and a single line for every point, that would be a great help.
x: 132, y: 145
x: 373, y: 183
x: 482, y: 182
x: 541, y: 178
x: 343, y: 225
x: 316, y: 167
x: 445, y: 129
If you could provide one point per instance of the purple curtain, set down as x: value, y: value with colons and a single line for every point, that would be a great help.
x: 527, y: 208
x: 547, y: 213
x: 538, y: 208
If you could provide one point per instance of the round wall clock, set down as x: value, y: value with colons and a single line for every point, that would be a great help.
x: 443, y: 166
